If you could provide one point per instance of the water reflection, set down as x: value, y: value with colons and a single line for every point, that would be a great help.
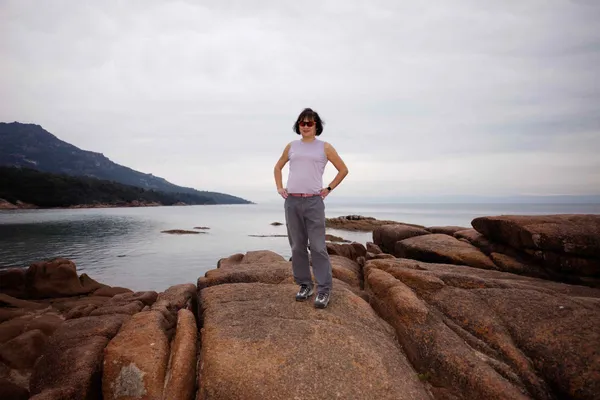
x: 21, y: 244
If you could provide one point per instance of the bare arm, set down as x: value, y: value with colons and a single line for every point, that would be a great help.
x: 338, y: 163
x: 279, y: 166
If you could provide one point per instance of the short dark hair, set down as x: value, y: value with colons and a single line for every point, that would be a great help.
x: 311, y: 115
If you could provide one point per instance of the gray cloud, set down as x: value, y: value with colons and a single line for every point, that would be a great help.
x: 462, y: 97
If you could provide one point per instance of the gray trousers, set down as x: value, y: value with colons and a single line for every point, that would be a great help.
x: 305, y: 220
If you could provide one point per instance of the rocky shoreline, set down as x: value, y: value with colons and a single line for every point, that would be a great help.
x: 506, y: 309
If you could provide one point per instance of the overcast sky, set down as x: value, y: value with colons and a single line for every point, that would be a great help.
x: 431, y: 98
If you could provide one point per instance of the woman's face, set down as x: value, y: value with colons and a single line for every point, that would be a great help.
x: 308, y: 128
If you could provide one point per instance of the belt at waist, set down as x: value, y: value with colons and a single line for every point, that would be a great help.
x: 304, y: 194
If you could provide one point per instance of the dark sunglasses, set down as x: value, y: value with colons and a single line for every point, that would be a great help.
x: 306, y: 123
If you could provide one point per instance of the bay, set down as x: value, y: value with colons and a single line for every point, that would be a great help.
x: 125, y: 246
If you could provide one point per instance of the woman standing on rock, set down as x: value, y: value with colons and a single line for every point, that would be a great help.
x: 304, y: 204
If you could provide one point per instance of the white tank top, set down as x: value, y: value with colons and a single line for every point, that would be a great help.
x: 307, y: 164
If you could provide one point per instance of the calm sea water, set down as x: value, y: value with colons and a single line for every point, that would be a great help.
x: 125, y: 246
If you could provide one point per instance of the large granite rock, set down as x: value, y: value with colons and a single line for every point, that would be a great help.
x: 57, y: 278
x: 442, y: 248
x: 259, y: 343
x: 135, y: 361
x: 557, y: 247
x: 576, y: 235
x: 386, y: 236
x: 478, y: 333
x: 71, y: 364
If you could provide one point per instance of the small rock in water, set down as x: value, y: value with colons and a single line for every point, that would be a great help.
x: 201, y: 227
x: 267, y: 235
x: 181, y: 232
x: 276, y: 223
